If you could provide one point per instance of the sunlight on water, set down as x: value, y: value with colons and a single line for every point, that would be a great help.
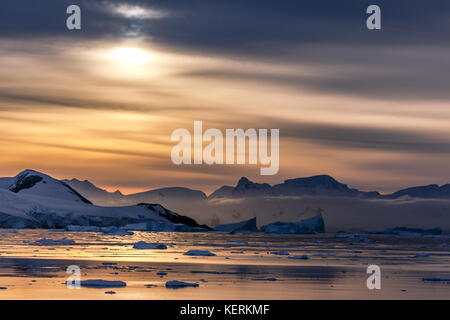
x: 253, y: 266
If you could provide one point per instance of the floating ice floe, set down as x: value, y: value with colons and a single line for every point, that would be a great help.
x: 302, y: 257
x: 175, y: 284
x: 420, y: 255
x: 412, y: 232
x: 83, y: 228
x: 116, y: 231
x: 145, y: 245
x: 266, y: 279
x: 280, y: 253
x: 199, y: 253
x: 98, y: 283
x: 55, y: 241
x: 309, y: 226
x: 436, y: 279
x: 9, y: 231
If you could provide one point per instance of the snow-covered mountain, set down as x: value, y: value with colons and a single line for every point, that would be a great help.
x: 35, y: 200
x: 432, y: 191
x: 322, y: 185
x: 164, y: 196
x: 35, y: 184
x: 32, y: 199
x: 244, y: 188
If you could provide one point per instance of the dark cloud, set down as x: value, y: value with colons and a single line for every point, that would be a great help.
x: 362, y: 137
x: 354, y: 136
x: 407, y: 59
x: 236, y: 25
x: 28, y: 100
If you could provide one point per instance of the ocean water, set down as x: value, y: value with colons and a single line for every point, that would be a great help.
x: 244, y: 266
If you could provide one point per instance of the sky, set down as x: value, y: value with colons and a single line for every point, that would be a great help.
x: 368, y: 107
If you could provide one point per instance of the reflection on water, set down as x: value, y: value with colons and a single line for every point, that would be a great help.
x: 245, y: 266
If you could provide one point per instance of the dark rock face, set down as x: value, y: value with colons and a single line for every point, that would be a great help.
x: 76, y: 193
x: 25, y: 182
x: 174, y: 217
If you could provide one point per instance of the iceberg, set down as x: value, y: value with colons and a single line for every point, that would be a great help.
x: 302, y: 257
x: 240, y: 227
x: 175, y: 284
x: 55, y: 241
x: 142, y: 245
x: 116, y: 231
x: 412, y: 232
x: 98, y: 283
x: 309, y: 226
x: 204, y: 253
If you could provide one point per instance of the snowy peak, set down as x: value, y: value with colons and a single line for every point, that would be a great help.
x: 88, y: 187
x: 37, y: 184
x: 246, y: 187
x: 427, y: 192
x: 315, y: 185
x: 320, y: 181
x: 25, y: 180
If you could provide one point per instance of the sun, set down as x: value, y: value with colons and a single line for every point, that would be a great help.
x: 130, y: 56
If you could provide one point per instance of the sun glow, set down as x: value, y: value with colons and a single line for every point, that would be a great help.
x: 129, y: 55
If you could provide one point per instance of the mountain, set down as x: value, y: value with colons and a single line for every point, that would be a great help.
x: 95, y: 194
x: 244, y: 188
x: 36, y: 184
x: 322, y: 185
x: 35, y: 200
x: 317, y: 185
x: 432, y: 191
x: 164, y: 196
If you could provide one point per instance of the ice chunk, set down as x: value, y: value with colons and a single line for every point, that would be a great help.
x: 83, y: 228
x: 175, y: 284
x: 309, y: 226
x: 412, y: 232
x: 145, y: 245
x: 199, y: 253
x: 302, y: 257
x: 280, y: 253
x: 117, y: 231
x: 98, y: 283
x: 421, y: 255
x: 436, y: 279
x: 55, y: 241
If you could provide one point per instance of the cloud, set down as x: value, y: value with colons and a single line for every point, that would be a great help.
x: 130, y: 11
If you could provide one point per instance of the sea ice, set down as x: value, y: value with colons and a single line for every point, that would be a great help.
x: 280, y: 253
x: 175, y: 284
x: 55, y: 241
x: 302, y: 257
x: 145, y: 245
x: 98, y: 283
x: 199, y: 253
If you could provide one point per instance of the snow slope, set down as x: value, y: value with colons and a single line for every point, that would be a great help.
x: 164, y: 196
x: 36, y: 200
